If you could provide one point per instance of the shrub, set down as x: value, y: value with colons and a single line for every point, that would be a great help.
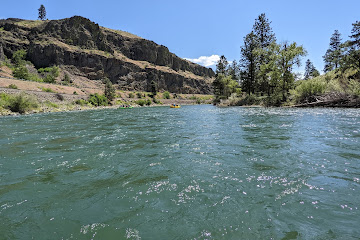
x: 131, y: 95
x: 19, y: 57
x: 139, y: 95
x: 21, y: 72
x: 34, y: 77
x: 75, y: 93
x: 81, y: 102
x: 98, y: 100
x: 12, y: 86
x: 67, y: 79
x: 4, y: 100
x: 166, y: 95
x: 49, y: 78
x: 22, y: 103
x: 143, y: 102
x: 47, y: 90
x: 140, y: 102
x: 59, y: 96
x: 51, y: 104
x: 109, y: 90
x: 354, y: 87
x: 309, y: 88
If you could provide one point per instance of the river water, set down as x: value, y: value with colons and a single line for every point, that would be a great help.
x: 198, y: 172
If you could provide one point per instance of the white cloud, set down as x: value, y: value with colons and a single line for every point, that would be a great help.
x: 205, y: 61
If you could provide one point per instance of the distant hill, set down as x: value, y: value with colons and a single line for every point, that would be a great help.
x: 82, y: 48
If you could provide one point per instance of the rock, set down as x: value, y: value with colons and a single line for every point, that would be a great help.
x: 95, y: 52
x: 2, y: 55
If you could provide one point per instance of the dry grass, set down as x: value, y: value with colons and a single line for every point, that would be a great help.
x: 122, y: 33
x: 31, y: 23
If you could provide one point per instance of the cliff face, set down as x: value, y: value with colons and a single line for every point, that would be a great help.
x: 85, y: 49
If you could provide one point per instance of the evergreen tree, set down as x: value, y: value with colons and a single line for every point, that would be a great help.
x: 222, y: 65
x: 265, y: 37
x: 42, y: 12
x: 355, y: 35
x: 109, y: 91
x: 233, y: 70
x: 352, y: 56
x: 154, y: 88
x: 333, y: 55
x: 248, y: 62
x: 263, y: 31
x: 310, y: 70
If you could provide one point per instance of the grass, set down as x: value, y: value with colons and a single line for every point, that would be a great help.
x: 30, y: 23
x: 47, y: 90
x: 51, y: 104
x: 122, y: 33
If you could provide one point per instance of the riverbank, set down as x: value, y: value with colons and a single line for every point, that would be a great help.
x: 45, y: 102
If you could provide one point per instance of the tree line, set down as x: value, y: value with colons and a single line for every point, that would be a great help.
x: 266, y: 67
x: 344, y: 55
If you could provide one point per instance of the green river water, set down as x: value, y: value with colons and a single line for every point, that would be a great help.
x: 198, y: 172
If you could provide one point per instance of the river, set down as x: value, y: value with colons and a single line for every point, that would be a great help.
x: 197, y: 172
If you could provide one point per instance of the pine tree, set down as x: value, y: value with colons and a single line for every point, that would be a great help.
x: 263, y: 31
x: 221, y: 71
x: 332, y: 56
x: 248, y: 62
x: 355, y: 35
x: 42, y: 12
x: 109, y: 91
x: 265, y: 37
x: 351, y: 57
x: 310, y: 70
x: 222, y: 65
x: 233, y: 70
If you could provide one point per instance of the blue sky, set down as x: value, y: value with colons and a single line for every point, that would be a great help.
x: 198, y: 28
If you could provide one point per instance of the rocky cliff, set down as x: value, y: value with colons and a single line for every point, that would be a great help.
x: 83, y: 48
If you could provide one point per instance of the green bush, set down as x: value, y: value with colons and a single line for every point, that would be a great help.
x: 47, y: 90
x: 35, y: 78
x: 18, y: 57
x: 49, y: 78
x: 309, y: 88
x: 22, y: 103
x: 12, y: 86
x: 131, y: 95
x: 98, y: 100
x: 139, y: 95
x: 21, y: 72
x: 81, y: 102
x: 75, y: 93
x: 67, y: 79
x: 141, y: 102
x: 354, y: 87
x: 166, y: 95
x: 51, y: 104
x: 4, y: 100
x: 53, y: 70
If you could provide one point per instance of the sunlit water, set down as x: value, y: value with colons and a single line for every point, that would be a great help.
x: 198, y: 172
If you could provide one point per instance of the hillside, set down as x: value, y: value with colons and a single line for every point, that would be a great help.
x: 85, y: 51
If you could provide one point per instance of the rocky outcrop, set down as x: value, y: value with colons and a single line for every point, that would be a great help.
x: 2, y: 55
x: 97, y: 52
